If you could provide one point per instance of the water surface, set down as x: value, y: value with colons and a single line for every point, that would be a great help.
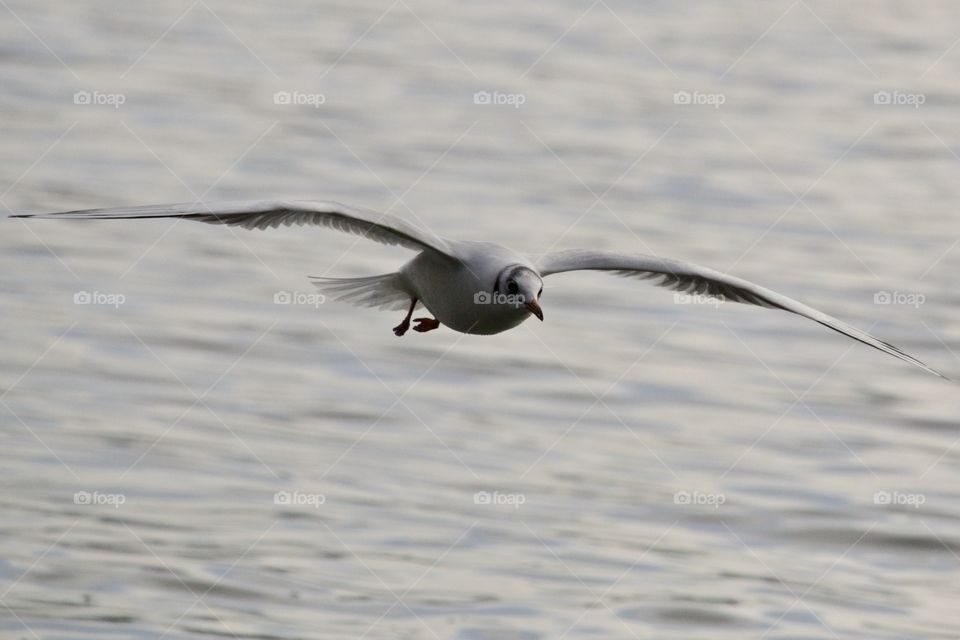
x: 184, y: 458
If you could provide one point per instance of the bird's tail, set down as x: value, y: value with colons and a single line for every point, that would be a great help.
x: 385, y: 291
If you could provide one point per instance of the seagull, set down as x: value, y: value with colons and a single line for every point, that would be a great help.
x: 472, y: 287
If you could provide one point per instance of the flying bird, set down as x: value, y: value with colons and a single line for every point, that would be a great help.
x: 472, y: 287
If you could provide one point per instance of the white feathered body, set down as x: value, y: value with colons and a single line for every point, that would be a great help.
x: 461, y: 294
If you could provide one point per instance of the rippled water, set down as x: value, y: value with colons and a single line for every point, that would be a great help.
x: 183, y: 458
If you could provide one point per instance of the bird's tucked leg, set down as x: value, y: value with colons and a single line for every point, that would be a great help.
x: 426, y: 324
x: 401, y: 328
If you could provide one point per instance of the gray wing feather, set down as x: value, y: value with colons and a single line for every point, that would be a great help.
x: 694, y: 279
x: 264, y: 214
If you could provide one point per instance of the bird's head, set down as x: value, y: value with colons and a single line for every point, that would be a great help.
x: 520, y: 286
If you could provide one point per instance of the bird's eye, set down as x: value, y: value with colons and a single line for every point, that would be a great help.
x: 541, y: 292
x: 512, y: 287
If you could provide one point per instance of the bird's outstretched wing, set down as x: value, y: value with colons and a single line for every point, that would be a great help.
x: 694, y: 279
x: 263, y: 214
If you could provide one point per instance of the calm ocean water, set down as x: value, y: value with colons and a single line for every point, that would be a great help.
x: 184, y: 456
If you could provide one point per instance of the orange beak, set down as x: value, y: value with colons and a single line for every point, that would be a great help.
x: 534, y: 308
